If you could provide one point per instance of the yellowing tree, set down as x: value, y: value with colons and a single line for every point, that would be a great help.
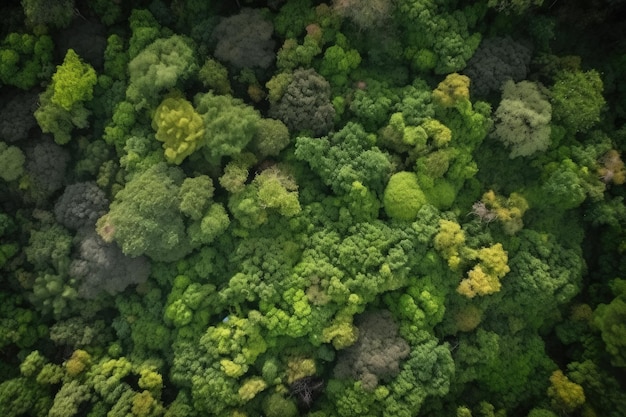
x: 449, y: 241
x: 179, y: 127
x: 565, y: 395
x: 453, y: 89
x: 484, y: 278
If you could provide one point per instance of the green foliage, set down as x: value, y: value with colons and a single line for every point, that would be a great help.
x: 145, y: 30
x: 109, y: 13
x: 595, y: 380
x: 195, y: 196
x: 522, y: 120
x: 20, y: 396
x: 271, y: 137
x: 54, y: 119
x: 497, y: 60
x: 577, y: 99
x: 293, y: 17
x: 229, y: 125
x: 244, y: 40
x: 11, y: 162
x: 62, y: 104
x: 149, y: 215
x: 214, y: 75
x: 377, y: 353
x: 164, y: 64
x: 609, y: 319
x: 276, y: 405
x: 69, y: 398
x: 200, y: 241
x: 426, y: 373
x: 144, y: 217
x: 403, y: 197
x: 25, y: 59
x: 72, y: 82
x: 508, y: 368
x: 292, y: 55
x: 436, y: 39
x: 454, y: 89
x: 337, y: 63
x: 19, y: 324
x: 542, y: 268
x: 564, y: 186
x: 344, y: 157
x: 115, y: 57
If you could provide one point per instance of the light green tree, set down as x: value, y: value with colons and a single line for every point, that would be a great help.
x: 523, y: 119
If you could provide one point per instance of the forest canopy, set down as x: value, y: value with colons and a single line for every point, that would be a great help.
x: 329, y: 209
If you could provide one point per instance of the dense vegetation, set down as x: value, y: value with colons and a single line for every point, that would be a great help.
x: 356, y: 208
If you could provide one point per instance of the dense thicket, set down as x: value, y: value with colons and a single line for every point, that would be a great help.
x: 354, y: 208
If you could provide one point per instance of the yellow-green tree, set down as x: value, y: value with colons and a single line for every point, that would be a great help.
x: 73, y: 81
x: 484, y: 278
x: 452, y: 90
x: 62, y: 104
x: 565, y: 395
x: 179, y: 127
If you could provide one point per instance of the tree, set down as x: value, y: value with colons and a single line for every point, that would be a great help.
x: 62, y: 104
x: 522, y: 120
x: 146, y: 217
x: 403, y: 196
x: 609, y: 318
x: 100, y: 267
x: 16, y: 117
x: 292, y: 54
x: 484, y: 278
x: 452, y: 90
x: 245, y: 40
x: 272, y: 136
x: 338, y: 62
x: 497, y: 60
x: 80, y: 205
x: 179, y: 127
x: 377, y: 353
x: 565, y: 395
x: 577, y: 99
x: 305, y: 105
x: 507, y: 211
x: 436, y: 39
x: 164, y: 64
x: 229, y: 125
x: 509, y: 369
x: 72, y: 82
x: 25, y: 59
x: 365, y: 14
x: 373, y: 104
x: 54, y: 119
x: 68, y: 399
x: 214, y: 75
x: 40, y: 14
x: 344, y: 157
x: 11, y: 162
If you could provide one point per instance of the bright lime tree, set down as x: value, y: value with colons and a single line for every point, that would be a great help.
x: 73, y: 81
x: 63, y: 103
